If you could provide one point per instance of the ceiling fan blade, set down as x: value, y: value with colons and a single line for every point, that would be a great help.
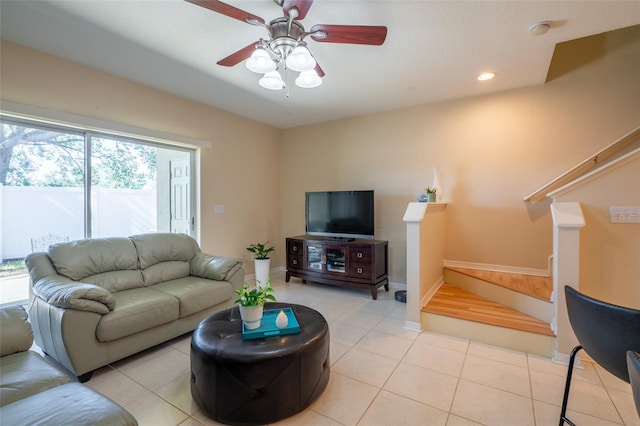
x: 225, y: 9
x: 302, y: 6
x: 239, y: 56
x: 352, y: 34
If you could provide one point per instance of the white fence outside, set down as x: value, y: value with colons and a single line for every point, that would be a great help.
x: 28, y: 212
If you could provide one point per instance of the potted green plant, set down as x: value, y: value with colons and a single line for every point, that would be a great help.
x: 261, y: 261
x: 251, y: 303
x: 431, y: 194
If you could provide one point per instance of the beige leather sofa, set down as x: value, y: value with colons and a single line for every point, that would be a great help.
x: 35, y: 392
x: 96, y: 301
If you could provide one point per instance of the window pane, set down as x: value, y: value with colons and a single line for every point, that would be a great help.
x: 123, y: 188
x: 41, y: 197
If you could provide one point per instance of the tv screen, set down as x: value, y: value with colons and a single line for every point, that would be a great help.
x: 340, y: 214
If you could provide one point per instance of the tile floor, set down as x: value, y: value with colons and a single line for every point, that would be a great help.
x: 382, y: 374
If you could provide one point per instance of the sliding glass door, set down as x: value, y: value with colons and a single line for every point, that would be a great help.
x: 60, y: 184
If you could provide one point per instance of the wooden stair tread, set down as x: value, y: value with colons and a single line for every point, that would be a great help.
x: 532, y: 285
x: 454, y: 302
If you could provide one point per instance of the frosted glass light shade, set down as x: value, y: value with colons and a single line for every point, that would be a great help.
x: 272, y: 81
x: 308, y: 79
x: 260, y: 61
x: 300, y: 60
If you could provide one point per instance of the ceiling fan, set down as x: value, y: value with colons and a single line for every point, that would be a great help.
x: 285, y: 48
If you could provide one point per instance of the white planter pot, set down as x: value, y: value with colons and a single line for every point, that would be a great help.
x: 262, y: 272
x: 251, y: 316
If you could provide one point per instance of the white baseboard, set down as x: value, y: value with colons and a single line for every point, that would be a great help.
x: 413, y: 326
x: 563, y: 359
x: 434, y: 289
x: 498, y: 268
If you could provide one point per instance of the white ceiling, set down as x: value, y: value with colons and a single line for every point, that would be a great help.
x: 433, y: 51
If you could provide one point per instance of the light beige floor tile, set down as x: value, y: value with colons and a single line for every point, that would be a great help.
x: 623, y: 402
x: 383, y: 306
x: 547, y: 387
x: 365, y: 366
x: 443, y: 341
x: 345, y: 400
x: 435, y: 358
x: 201, y: 417
x: 337, y: 350
x: 307, y: 418
x: 391, y: 409
x: 498, y: 354
x: 191, y: 422
x: 182, y: 343
x: 157, y: 371
x: 610, y: 381
x: 396, y: 328
x: 423, y: 385
x: 362, y: 319
x: 497, y: 374
x: 460, y: 421
x: 546, y: 365
x: 152, y: 410
x: 549, y: 415
x: 399, y: 312
x: 584, y: 397
x: 178, y: 393
x: 346, y: 333
x: 384, y: 344
x: 116, y: 386
x: 490, y: 406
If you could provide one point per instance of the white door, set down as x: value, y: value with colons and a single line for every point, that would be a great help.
x: 180, y: 196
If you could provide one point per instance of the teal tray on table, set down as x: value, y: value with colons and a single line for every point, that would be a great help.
x: 268, y: 325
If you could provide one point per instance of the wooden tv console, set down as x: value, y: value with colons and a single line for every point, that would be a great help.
x: 357, y: 263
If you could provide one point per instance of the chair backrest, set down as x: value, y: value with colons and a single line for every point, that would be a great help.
x: 605, y: 331
x: 633, y: 364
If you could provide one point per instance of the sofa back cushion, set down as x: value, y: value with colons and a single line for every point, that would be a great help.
x: 164, y: 256
x: 111, y: 263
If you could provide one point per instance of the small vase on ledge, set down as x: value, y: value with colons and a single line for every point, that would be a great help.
x: 436, y: 185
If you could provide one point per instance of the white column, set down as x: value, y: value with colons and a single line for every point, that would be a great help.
x: 413, y: 217
x: 567, y: 222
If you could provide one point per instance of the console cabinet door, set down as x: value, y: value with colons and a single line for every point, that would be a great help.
x: 360, y: 261
x: 295, y: 253
x: 331, y: 259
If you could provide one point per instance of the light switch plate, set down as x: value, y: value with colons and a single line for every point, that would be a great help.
x: 219, y: 209
x: 624, y: 214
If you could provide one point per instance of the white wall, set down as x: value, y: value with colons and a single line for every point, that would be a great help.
x: 29, y: 212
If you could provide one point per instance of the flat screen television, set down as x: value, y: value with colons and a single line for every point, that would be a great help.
x: 340, y: 214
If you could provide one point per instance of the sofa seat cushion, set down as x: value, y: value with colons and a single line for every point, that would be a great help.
x: 196, y: 294
x: 68, y: 404
x: 137, y: 310
x: 26, y: 373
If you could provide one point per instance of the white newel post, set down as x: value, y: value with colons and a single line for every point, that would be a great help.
x: 567, y: 222
x: 413, y: 217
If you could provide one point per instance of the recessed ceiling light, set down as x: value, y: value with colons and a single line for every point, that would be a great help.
x: 486, y: 76
x: 540, y: 28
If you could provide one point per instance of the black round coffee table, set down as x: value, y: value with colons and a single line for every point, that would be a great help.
x: 253, y: 382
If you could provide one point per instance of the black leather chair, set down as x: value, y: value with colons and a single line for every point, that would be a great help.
x: 633, y: 365
x: 605, y: 331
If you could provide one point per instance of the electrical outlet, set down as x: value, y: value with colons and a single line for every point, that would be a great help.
x: 624, y: 214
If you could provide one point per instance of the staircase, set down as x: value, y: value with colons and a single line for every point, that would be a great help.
x: 509, y: 310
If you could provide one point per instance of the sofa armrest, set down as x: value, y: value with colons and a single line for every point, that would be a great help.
x: 66, y: 293
x: 219, y: 268
x: 15, y: 331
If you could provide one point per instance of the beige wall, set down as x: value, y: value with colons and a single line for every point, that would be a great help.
x: 609, y: 252
x: 238, y: 171
x: 492, y: 151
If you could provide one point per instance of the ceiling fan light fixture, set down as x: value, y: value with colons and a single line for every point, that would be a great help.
x: 272, y: 81
x: 308, y: 79
x: 260, y: 62
x: 300, y: 59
